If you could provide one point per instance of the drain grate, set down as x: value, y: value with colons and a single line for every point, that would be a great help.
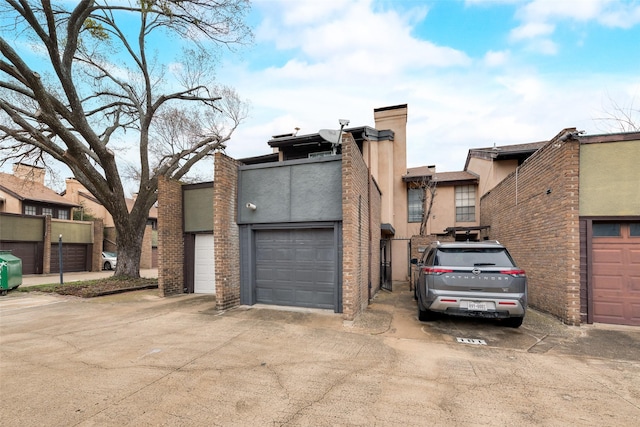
x: 471, y: 341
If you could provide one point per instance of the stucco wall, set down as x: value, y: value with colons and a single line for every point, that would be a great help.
x: 610, y: 178
x: 198, y: 208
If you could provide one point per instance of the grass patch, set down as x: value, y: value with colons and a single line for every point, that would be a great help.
x: 94, y: 288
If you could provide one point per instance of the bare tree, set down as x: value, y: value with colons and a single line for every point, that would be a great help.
x: 427, y: 204
x: 102, y: 95
x: 620, y: 118
x: 428, y: 186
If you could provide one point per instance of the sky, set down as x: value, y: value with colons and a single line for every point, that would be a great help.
x: 474, y: 73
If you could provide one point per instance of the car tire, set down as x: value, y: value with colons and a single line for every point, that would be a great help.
x: 425, y: 315
x: 107, y: 266
x: 513, y: 322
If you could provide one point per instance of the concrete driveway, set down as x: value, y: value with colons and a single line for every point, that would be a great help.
x: 138, y: 359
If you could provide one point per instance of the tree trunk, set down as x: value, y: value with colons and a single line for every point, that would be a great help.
x: 129, y: 241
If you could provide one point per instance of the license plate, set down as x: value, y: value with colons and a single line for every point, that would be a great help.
x: 477, y: 306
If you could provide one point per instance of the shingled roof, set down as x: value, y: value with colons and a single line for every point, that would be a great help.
x: 457, y: 177
x: 505, y: 152
x: 29, y: 190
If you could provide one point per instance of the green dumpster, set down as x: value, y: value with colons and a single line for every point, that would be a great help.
x: 10, y: 271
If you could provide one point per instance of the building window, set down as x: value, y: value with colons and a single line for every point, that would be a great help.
x: 63, y: 214
x: 634, y: 229
x: 414, y: 199
x: 29, y: 210
x: 606, y: 229
x: 466, y: 203
x: 47, y: 211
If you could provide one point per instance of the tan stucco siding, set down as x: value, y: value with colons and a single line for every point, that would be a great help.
x: 10, y: 203
x: 610, y: 179
x: 490, y: 172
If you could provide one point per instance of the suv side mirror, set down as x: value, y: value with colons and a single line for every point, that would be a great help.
x: 414, y: 261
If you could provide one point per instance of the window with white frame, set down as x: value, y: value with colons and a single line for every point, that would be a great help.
x: 47, y: 211
x: 414, y: 200
x: 30, y: 210
x: 465, y: 203
x: 63, y: 214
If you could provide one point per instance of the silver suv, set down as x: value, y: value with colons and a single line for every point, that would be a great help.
x: 470, y: 279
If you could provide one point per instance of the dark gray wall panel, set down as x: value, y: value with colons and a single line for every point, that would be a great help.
x: 269, y: 189
x: 291, y: 192
x: 316, y: 192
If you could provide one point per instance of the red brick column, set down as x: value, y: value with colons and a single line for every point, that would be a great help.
x: 98, y: 236
x: 170, y: 238
x: 46, y: 247
x: 355, y: 230
x: 146, y: 254
x: 225, y: 231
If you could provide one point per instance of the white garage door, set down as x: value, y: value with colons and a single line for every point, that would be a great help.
x: 204, y: 274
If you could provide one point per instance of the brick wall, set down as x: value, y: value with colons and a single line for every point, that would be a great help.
x: 146, y: 253
x: 534, y: 212
x: 226, y: 231
x: 170, y: 238
x: 98, y: 235
x: 46, y: 252
x: 375, y: 206
x: 355, y: 230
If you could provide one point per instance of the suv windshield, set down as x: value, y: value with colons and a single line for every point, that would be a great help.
x: 473, y: 257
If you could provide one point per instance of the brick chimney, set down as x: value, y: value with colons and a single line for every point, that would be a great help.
x: 29, y: 172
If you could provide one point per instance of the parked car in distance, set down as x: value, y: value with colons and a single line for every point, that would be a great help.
x: 477, y: 279
x: 109, y: 260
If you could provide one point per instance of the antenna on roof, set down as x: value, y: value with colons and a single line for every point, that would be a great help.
x: 330, y: 135
x: 334, y: 136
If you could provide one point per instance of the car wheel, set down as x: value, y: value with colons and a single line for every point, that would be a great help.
x: 107, y: 265
x: 513, y: 322
x: 425, y: 315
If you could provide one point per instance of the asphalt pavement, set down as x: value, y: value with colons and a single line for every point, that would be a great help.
x: 144, y: 360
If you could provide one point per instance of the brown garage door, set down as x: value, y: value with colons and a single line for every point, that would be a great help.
x: 616, y: 273
x: 29, y: 252
x: 74, y: 257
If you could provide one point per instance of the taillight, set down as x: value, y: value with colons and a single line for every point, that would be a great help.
x: 435, y: 271
x: 514, y: 272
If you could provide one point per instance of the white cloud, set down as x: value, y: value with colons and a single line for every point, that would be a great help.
x: 531, y: 30
x: 496, y: 58
x: 344, y: 64
x: 540, y: 18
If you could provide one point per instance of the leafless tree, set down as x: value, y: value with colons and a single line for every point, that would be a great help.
x: 83, y: 83
x: 428, y: 186
x: 618, y: 117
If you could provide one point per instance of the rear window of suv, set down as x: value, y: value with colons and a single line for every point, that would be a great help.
x: 473, y: 257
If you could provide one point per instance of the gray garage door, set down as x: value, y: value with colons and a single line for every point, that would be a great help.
x: 296, y: 267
